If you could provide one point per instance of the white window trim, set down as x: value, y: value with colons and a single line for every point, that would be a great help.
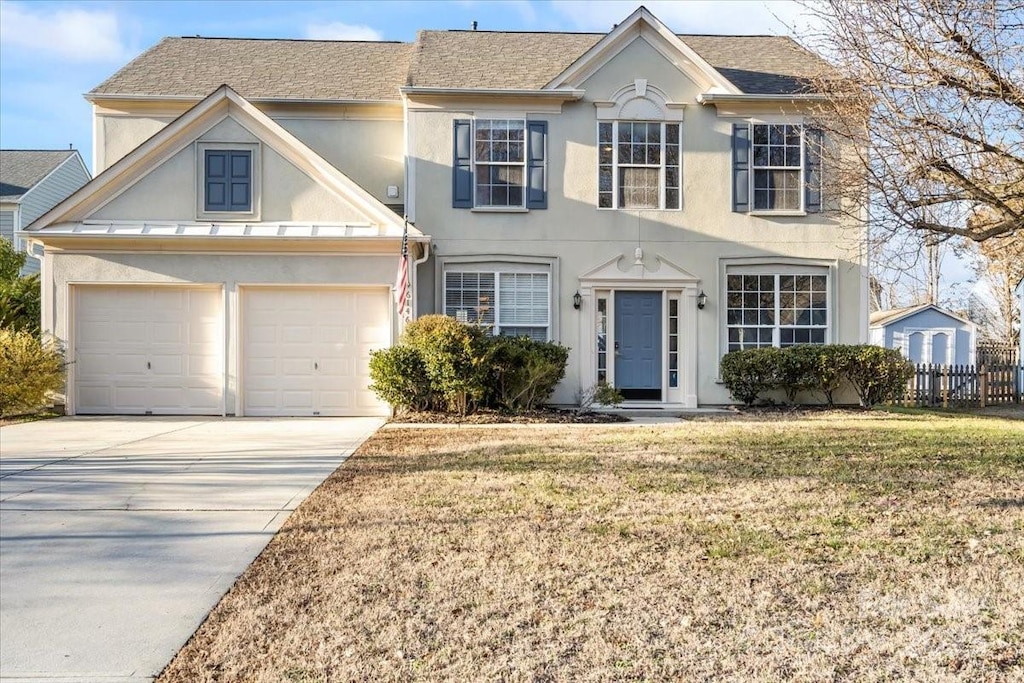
x: 772, y: 266
x: 499, y: 264
x: 779, y: 121
x: 662, y: 186
x: 200, y: 165
x: 492, y: 208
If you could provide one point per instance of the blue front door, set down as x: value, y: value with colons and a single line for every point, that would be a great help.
x: 638, y: 345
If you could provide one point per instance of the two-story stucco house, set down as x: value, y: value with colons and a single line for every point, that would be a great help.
x: 650, y: 200
x: 33, y: 181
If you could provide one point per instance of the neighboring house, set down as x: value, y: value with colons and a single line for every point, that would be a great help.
x: 237, y: 252
x: 926, y: 334
x: 33, y: 181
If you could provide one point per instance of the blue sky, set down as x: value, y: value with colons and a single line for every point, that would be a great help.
x: 52, y: 52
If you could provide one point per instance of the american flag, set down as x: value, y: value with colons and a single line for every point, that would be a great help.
x: 402, y: 300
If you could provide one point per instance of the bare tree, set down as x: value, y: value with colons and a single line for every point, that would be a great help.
x: 928, y: 112
x: 999, y: 266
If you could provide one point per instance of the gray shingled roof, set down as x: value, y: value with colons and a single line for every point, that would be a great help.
x: 20, y: 169
x: 271, y: 69
x: 343, y: 70
x: 501, y: 59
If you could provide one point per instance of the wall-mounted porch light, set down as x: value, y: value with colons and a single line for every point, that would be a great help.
x: 702, y: 300
x: 577, y: 300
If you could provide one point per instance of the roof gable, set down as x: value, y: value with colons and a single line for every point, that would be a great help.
x: 886, y: 318
x: 22, y: 169
x: 642, y: 25
x: 180, y: 133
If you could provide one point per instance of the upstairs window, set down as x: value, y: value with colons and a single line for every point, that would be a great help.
x: 499, y: 164
x: 638, y: 165
x: 227, y: 179
x: 776, y: 168
x: 499, y: 156
x: 778, y: 164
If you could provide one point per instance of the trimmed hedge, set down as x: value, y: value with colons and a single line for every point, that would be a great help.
x: 442, y: 364
x: 876, y: 374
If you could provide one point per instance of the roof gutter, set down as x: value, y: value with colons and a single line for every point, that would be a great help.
x: 728, y: 98
x: 562, y: 95
x: 96, y: 98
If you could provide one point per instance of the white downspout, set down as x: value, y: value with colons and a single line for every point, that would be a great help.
x: 416, y: 279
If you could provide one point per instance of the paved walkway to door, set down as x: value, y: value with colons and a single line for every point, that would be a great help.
x: 118, y: 535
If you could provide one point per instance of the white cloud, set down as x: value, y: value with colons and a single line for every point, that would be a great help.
x: 336, y: 30
x: 695, y: 16
x: 70, y: 34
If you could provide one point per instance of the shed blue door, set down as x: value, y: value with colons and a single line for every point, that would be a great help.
x: 638, y: 345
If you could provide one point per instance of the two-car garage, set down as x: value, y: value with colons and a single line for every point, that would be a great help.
x: 255, y: 350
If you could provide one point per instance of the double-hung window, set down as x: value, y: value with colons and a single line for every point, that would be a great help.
x: 776, y: 309
x: 499, y: 164
x: 499, y: 157
x: 509, y: 303
x: 776, y: 168
x: 638, y: 165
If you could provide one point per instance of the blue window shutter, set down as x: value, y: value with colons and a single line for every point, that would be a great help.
x: 536, y: 165
x: 741, y: 167
x: 215, y: 167
x: 812, y: 169
x: 240, y: 198
x: 462, y: 165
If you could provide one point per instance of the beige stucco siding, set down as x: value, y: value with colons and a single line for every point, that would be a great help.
x: 701, y: 238
x: 227, y: 271
x: 169, y: 192
x: 118, y: 134
x: 368, y: 152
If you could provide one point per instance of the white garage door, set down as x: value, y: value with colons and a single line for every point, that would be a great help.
x: 142, y: 350
x: 306, y: 351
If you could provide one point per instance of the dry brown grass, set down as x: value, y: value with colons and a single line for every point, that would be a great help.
x: 867, y: 547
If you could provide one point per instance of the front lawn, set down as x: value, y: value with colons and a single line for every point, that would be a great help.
x: 831, y: 547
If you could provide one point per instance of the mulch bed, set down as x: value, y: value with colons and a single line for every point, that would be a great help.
x: 550, y: 415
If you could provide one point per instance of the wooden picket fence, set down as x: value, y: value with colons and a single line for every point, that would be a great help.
x: 946, y: 386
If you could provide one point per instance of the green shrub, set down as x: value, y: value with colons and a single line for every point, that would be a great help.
x: 798, y: 369
x: 20, y: 299
x: 877, y: 374
x: 607, y: 395
x: 748, y: 374
x: 400, y: 378
x: 523, y: 372
x: 830, y: 370
x: 454, y: 357
x: 30, y: 370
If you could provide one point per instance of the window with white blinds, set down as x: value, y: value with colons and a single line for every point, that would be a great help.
x: 511, y: 304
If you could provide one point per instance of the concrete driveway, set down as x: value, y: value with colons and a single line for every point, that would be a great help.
x: 118, y: 535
